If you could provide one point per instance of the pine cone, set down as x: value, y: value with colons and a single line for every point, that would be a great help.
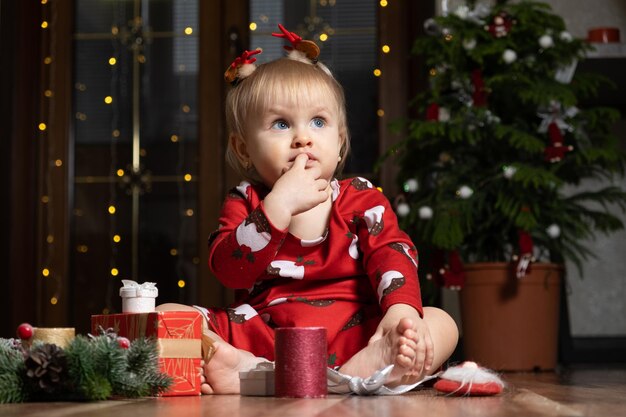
x: 45, y: 366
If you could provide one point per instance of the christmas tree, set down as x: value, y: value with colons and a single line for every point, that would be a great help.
x: 490, y: 172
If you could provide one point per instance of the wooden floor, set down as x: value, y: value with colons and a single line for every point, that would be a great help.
x: 570, y: 392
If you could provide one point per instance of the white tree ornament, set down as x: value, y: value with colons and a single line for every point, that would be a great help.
x: 509, y: 56
x: 411, y: 185
x: 465, y: 192
x: 403, y: 209
x: 425, y: 213
x: 546, y: 41
x: 553, y: 231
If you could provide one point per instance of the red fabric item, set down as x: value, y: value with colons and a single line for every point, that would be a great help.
x: 457, y: 388
x: 480, y: 93
x: 525, y: 243
x: 525, y: 258
x: 344, y: 281
x: 455, y: 276
x: 432, y: 112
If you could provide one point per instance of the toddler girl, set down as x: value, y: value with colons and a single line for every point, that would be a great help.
x: 302, y: 248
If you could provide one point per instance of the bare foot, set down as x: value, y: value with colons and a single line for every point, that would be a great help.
x: 397, y: 347
x: 221, y: 373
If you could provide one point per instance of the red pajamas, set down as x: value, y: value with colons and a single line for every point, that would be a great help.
x: 343, y: 281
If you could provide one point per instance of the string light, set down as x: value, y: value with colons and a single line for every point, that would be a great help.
x: 112, y: 61
x: 120, y: 172
x: 380, y: 112
x: 188, y: 31
x: 323, y: 37
x: 189, y: 212
x: 385, y: 49
x: 46, y: 249
x: 114, y: 272
x: 117, y: 238
x: 383, y: 3
x: 174, y: 138
x: 187, y: 177
x: 111, y: 209
x: 173, y: 252
x: 377, y: 72
x: 108, y: 99
x: 181, y: 283
x: 252, y: 26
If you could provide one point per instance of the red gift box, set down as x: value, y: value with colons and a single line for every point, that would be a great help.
x: 178, y: 335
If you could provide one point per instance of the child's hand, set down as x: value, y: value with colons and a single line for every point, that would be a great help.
x: 299, y: 189
x: 424, y: 345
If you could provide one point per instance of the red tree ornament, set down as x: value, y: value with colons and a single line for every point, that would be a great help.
x: 479, y: 96
x: 556, y: 150
x: 525, y: 257
x: 25, y: 331
x: 123, y: 342
x: 501, y: 25
x: 432, y: 112
x: 450, y: 271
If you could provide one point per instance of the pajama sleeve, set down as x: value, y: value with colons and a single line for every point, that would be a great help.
x: 245, y: 242
x: 389, y: 255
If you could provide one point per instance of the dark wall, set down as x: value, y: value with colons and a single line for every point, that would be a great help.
x: 19, y: 78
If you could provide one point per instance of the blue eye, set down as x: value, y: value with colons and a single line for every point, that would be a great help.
x: 280, y: 125
x: 318, y: 122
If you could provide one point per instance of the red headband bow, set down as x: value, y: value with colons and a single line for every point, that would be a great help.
x: 309, y: 48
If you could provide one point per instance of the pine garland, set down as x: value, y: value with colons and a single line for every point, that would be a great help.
x: 88, y: 369
x: 493, y: 91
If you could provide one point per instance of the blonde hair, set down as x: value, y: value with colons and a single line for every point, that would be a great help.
x: 285, y: 78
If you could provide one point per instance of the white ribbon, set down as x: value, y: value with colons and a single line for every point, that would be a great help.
x: 339, y: 383
x: 134, y: 289
x: 475, y: 15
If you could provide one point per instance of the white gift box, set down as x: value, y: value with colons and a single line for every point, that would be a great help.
x: 258, y: 381
x: 138, y: 298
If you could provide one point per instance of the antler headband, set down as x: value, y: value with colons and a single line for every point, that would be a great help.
x: 308, y: 48
x: 241, y: 67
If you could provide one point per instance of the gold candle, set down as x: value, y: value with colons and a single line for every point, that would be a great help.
x: 60, y: 336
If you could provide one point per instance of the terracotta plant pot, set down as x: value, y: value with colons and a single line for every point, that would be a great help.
x: 511, y: 324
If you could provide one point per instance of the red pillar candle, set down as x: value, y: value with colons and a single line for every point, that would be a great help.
x: 300, y: 369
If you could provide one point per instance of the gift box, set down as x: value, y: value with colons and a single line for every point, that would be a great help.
x: 178, y: 335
